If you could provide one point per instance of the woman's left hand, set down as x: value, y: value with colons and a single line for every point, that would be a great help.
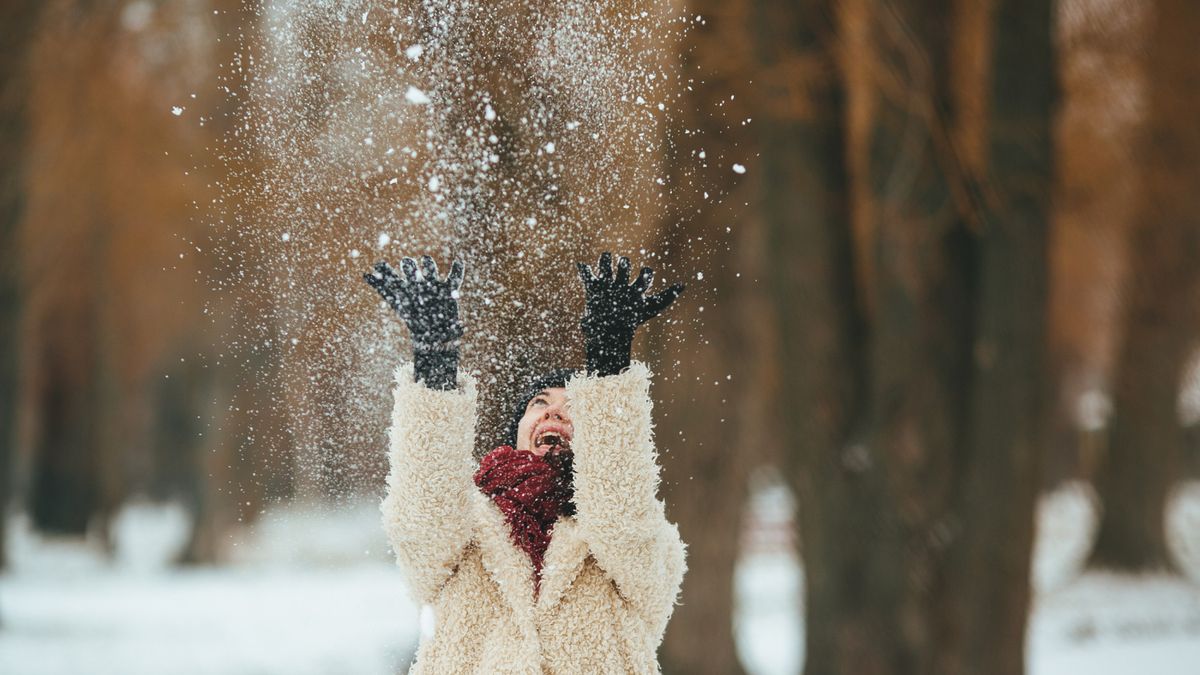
x: 615, y: 309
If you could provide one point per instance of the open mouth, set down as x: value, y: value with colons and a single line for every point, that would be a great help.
x: 551, y: 439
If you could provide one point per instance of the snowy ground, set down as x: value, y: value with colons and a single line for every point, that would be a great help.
x: 313, y: 592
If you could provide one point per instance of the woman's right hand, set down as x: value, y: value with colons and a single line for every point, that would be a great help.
x: 427, y: 304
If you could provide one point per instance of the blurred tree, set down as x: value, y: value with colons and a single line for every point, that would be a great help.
x: 701, y: 374
x: 985, y: 602
x: 806, y: 211
x: 1100, y: 60
x: 20, y: 19
x: 194, y: 461
x: 110, y: 195
x: 916, y: 357
x: 74, y: 469
x: 1143, y: 457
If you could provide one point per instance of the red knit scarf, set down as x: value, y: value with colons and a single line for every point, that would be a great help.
x: 532, y: 492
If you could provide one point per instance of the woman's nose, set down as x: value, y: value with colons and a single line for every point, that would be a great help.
x: 554, y: 413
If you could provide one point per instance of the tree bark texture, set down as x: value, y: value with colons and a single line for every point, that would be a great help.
x: 1145, y: 443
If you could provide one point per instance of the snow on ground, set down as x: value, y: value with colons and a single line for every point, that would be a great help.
x: 313, y: 591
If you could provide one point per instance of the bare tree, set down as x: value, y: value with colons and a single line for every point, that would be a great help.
x: 1100, y: 63
x: 806, y: 211
x: 915, y: 343
x: 74, y: 470
x: 20, y: 20
x: 1145, y: 441
x: 702, y: 378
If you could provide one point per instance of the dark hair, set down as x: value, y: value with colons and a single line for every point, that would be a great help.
x: 549, y: 380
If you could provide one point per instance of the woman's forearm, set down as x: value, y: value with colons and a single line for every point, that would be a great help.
x: 426, y: 510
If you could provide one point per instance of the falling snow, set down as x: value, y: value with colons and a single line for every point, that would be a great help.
x: 382, y: 130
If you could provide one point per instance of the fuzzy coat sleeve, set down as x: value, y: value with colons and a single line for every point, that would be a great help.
x: 426, y: 510
x: 616, y: 486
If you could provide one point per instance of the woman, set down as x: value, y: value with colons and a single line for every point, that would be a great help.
x: 555, y: 556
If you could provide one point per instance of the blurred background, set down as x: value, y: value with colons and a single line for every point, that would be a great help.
x: 929, y: 405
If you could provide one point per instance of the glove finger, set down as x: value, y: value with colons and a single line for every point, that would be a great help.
x: 623, y: 271
x: 409, y: 266
x: 384, y: 270
x: 382, y: 287
x: 585, y: 274
x: 605, y: 266
x: 643, y: 281
x: 376, y: 282
x: 428, y: 268
x: 655, y: 304
x: 455, y: 277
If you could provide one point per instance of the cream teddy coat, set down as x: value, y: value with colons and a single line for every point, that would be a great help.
x: 611, y: 574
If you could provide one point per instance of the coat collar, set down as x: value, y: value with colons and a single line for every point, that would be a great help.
x: 512, y: 569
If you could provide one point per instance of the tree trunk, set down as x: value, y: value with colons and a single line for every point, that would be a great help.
x: 922, y: 285
x: 1145, y: 446
x: 20, y: 19
x: 77, y: 474
x: 704, y: 467
x: 706, y: 449
x: 1100, y: 56
x: 806, y: 211
x: 986, y: 599
x: 900, y: 419
x: 68, y: 482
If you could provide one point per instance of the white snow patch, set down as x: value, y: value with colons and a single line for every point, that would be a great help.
x: 738, y: 168
x: 313, y: 590
x: 1183, y: 527
x: 1066, y: 525
x: 414, y: 95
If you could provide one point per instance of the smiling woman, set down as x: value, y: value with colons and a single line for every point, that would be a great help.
x: 546, y: 425
x: 562, y: 561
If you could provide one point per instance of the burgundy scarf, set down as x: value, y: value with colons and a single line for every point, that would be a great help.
x: 532, y: 492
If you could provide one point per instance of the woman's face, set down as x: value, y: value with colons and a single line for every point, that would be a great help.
x: 546, y: 426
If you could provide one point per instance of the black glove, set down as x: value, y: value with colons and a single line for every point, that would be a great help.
x: 430, y: 308
x: 614, y: 311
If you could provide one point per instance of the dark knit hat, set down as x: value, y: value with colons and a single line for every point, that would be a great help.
x: 548, y: 380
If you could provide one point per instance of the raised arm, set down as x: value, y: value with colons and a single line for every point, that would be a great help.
x: 429, y: 306
x: 616, y: 483
x: 432, y: 432
x: 616, y: 468
x: 425, y: 512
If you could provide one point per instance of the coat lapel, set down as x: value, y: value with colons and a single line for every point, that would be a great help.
x: 564, y: 560
x: 507, y: 564
x: 512, y: 569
